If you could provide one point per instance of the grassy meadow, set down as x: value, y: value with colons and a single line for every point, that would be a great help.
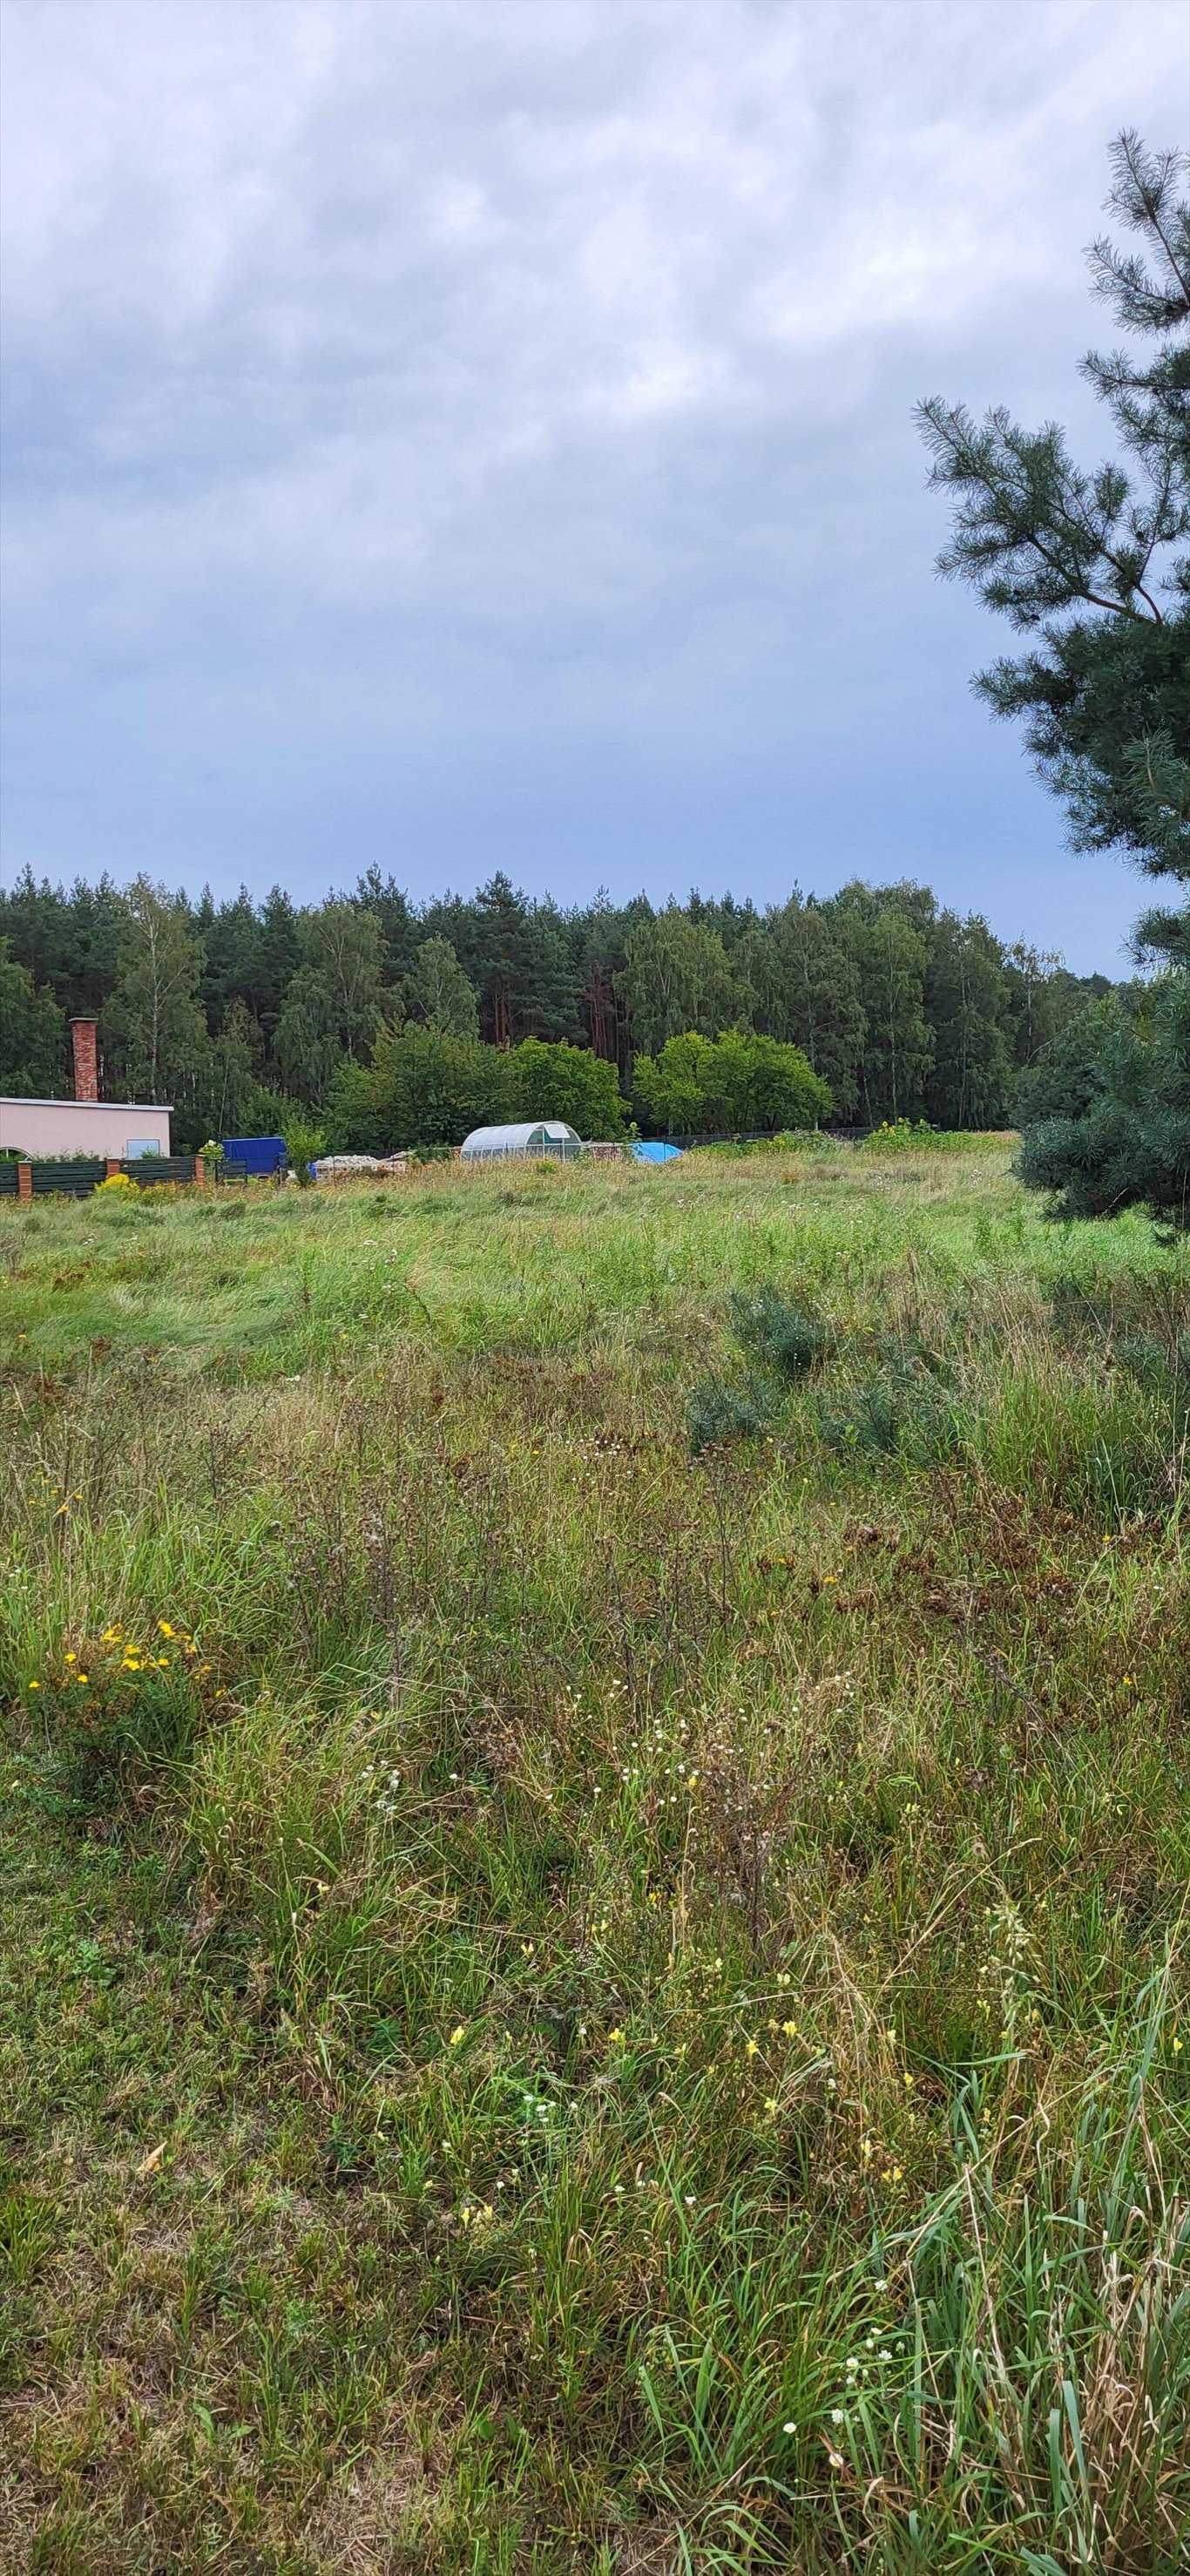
x: 594, y: 1876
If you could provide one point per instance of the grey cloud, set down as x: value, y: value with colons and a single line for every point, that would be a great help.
x: 396, y: 391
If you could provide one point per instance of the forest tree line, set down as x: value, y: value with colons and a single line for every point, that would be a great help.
x: 393, y: 1021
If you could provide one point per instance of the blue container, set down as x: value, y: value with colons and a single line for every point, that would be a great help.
x: 260, y: 1155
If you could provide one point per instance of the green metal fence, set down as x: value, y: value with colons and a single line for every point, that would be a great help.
x: 67, y: 1180
x: 148, y: 1170
x: 75, y: 1177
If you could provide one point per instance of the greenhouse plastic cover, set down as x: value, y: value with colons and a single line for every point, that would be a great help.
x: 541, y: 1132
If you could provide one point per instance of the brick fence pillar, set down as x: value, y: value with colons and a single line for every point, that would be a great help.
x: 113, y: 1169
x: 24, y: 1180
x: 200, y: 1171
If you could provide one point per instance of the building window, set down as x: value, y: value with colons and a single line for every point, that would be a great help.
x: 138, y: 1145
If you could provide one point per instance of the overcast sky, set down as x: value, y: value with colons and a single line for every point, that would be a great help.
x: 473, y: 433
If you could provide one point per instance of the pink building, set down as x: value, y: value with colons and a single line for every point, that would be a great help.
x: 86, y: 1125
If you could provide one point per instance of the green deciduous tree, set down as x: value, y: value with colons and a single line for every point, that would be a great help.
x: 966, y: 1003
x: 333, y: 1004
x: 676, y: 977
x: 240, y: 1103
x: 561, y: 1081
x: 887, y: 930
x: 423, y: 1086
x: 438, y: 993
x: 153, y: 1030
x: 736, y: 1084
x: 308, y: 1047
x: 1030, y: 983
x: 804, y: 977
x: 304, y: 1142
x: 32, y: 1035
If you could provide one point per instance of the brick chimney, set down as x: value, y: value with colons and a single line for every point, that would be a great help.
x: 86, y: 1059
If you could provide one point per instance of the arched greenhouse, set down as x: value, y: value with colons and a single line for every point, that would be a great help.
x: 539, y: 1136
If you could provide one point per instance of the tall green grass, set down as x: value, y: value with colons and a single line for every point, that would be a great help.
x: 589, y: 1984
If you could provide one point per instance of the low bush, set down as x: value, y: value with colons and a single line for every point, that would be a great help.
x: 122, y: 1711
x: 783, y: 1342
x: 717, y: 1412
x: 899, y: 1136
x: 775, y: 1333
x: 896, y: 1411
x: 303, y: 1145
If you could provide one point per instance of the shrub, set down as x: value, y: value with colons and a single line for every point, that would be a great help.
x: 778, y: 1335
x: 303, y: 1144
x: 717, y: 1413
x: 899, y: 1136
x: 124, y: 1713
x: 899, y: 1411
x: 782, y: 1342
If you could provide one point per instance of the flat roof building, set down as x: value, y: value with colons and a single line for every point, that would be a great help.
x: 119, y: 1130
x: 87, y: 1126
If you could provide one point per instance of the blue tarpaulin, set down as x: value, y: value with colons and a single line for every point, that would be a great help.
x: 649, y: 1152
x: 256, y: 1153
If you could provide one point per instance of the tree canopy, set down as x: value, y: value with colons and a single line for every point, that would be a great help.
x: 32, y: 1034
x: 255, y: 1013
